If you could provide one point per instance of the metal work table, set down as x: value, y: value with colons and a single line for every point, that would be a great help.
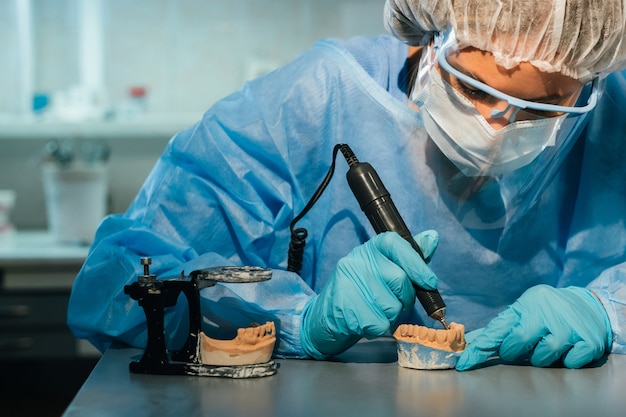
x: 364, y: 381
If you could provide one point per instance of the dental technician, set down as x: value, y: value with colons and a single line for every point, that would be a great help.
x: 498, y: 128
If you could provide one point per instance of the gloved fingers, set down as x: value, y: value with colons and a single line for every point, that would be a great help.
x: 470, y: 336
x: 390, y: 304
x: 386, y: 286
x: 487, y: 342
x: 369, y: 319
x: 428, y: 241
x: 394, y: 279
x: 522, y: 338
x: 474, y: 355
x: 550, y: 348
x: 582, y: 353
x: 356, y: 312
x: 399, y: 251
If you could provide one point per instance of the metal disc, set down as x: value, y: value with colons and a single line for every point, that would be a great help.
x: 236, y: 274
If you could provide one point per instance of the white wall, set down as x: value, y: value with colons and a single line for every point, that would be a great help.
x: 187, y: 53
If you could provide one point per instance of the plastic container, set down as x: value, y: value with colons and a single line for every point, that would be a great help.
x: 138, y: 101
x: 76, y: 200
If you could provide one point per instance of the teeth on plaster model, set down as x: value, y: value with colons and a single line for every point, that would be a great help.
x: 452, y: 339
x: 252, y: 345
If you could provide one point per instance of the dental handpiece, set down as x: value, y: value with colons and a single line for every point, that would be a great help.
x: 376, y: 203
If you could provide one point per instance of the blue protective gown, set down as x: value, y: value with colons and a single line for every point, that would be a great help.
x: 225, y: 190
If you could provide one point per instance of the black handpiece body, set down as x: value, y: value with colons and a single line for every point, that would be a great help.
x: 376, y: 203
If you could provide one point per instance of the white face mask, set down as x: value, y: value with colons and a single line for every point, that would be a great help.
x: 467, y: 139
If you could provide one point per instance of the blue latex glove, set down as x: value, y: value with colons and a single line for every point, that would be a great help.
x: 546, y: 324
x: 366, y: 292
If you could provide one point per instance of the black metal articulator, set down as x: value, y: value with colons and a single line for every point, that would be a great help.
x: 156, y: 295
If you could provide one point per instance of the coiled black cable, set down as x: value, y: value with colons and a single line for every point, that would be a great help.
x: 296, y: 249
x: 299, y: 235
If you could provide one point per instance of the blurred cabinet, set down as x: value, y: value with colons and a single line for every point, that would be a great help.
x: 36, y: 276
x: 43, y: 365
x: 32, y: 325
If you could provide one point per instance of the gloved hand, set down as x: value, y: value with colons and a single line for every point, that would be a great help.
x: 547, y: 323
x: 366, y: 292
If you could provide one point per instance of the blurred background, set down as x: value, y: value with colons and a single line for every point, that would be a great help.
x: 92, y: 91
x: 133, y: 72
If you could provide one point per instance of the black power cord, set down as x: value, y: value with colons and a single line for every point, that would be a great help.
x: 299, y: 235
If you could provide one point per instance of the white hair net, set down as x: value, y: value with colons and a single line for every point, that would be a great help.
x: 579, y: 38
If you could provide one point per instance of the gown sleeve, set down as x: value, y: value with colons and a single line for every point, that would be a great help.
x: 597, y: 243
x: 222, y: 193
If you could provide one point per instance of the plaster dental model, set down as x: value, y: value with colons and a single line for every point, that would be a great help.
x: 420, y: 347
x: 252, y: 345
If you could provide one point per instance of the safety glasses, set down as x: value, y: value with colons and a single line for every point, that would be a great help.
x: 445, y: 44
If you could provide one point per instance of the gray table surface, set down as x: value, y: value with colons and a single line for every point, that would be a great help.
x: 364, y: 381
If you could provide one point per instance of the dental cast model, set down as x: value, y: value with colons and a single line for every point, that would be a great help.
x: 452, y: 339
x: 420, y: 347
x: 252, y: 345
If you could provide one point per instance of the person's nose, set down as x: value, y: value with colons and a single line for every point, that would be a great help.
x: 499, y: 115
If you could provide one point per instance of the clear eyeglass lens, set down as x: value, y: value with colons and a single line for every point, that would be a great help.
x: 515, y: 109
